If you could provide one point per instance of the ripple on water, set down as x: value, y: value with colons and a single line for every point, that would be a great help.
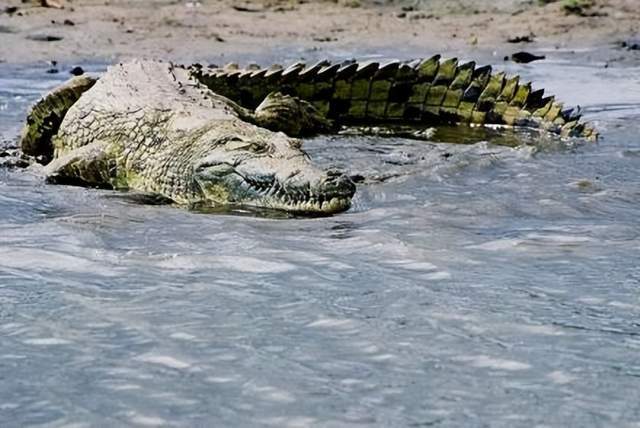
x: 237, y: 263
x: 485, y: 361
x: 165, y: 360
x: 469, y: 284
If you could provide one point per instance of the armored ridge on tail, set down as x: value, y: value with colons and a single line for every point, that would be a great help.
x: 428, y: 91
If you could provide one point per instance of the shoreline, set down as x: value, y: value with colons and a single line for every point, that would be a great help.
x: 87, y: 30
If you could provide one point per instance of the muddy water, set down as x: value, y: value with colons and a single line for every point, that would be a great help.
x: 470, y: 285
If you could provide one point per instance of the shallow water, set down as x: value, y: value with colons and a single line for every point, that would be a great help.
x: 470, y: 285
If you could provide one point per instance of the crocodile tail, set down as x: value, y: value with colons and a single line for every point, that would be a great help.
x: 46, y: 115
x: 427, y: 91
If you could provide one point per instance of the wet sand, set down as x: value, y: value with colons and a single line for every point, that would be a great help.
x: 196, y: 31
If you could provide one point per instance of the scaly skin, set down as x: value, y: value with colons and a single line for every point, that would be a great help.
x: 422, y: 92
x: 147, y: 126
x: 45, y: 117
x: 192, y: 134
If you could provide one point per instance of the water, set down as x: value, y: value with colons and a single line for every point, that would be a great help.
x: 470, y: 285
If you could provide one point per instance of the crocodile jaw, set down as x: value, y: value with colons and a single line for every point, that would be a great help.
x: 326, y: 193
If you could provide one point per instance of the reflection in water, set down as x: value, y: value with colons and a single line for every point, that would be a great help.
x: 469, y: 284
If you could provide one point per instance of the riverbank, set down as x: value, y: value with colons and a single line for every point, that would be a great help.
x: 192, y: 30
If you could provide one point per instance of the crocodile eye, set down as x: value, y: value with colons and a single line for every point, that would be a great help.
x: 234, y: 144
x: 246, y: 146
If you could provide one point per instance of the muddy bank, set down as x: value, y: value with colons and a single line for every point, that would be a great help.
x: 198, y: 30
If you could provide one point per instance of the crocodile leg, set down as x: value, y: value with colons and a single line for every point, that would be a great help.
x: 89, y: 165
x: 296, y: 117
x: 291, y: 115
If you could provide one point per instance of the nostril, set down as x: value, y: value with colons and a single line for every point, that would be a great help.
x: 357, y: 178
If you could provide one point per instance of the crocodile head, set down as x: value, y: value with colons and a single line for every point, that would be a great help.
x: 269, y: 170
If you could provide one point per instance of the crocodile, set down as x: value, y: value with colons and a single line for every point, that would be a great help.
x: 220, y: 136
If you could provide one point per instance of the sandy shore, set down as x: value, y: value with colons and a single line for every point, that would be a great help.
x: 198, y: 30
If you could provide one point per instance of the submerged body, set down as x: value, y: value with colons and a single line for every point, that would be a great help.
x: 225, y: 136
